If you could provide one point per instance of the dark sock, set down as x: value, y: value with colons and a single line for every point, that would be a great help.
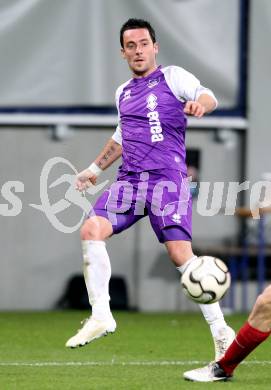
x: 247, y: 339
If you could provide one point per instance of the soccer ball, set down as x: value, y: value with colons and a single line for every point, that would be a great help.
x: 206, y: 279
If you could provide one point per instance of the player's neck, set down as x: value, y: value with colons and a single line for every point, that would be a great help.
x: 145, y: 74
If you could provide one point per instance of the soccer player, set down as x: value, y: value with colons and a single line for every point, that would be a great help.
x: 151, y: 181
x: 253, y: 333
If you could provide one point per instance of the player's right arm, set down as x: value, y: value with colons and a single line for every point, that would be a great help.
x: 110, y: 153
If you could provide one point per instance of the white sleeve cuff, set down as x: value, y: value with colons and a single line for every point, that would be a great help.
x: 117, y: 137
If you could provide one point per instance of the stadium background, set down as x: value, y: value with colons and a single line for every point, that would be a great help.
x: 62, y: 58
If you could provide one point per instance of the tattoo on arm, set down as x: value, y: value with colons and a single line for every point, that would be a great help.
x: 105, y: 157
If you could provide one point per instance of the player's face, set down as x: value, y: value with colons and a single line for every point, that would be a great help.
x: 139, y: 51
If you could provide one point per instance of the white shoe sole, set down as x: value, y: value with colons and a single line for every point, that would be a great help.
x: 107, y: 332
x: 209, y: 380
x: 82, y: 344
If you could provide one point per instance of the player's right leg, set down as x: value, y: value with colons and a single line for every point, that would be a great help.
x: 97, y: 273
x: 103, y: 222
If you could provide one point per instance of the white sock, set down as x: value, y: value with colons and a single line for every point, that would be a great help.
x: 183, y: 267
x: 214, y: 317
x: 211, y: 312
x: 97, y: 273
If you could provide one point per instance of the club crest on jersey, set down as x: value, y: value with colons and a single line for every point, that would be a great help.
x: 152, y: 102
x: 127, y: 95
x: 152, y: 83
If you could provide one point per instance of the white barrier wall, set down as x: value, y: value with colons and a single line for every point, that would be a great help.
x: 259, y: 135
x: 67, y: 52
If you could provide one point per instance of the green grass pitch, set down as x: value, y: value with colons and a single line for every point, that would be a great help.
x: 148, y: 351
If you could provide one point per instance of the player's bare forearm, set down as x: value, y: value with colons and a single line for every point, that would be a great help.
x: 208, y: 102
x: 203, y: 105
x: 110, y: 153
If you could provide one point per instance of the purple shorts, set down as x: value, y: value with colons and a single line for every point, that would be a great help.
x: 163, y: 195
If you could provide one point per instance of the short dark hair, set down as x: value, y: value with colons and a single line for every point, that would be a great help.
x: 132, y: 24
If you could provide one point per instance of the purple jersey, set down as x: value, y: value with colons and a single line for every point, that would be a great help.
x: 152, y: 121
x: 151, y: 130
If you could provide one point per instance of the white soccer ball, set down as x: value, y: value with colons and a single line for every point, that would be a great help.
x: 206, y: 279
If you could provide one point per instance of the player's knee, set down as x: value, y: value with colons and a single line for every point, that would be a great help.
x: 260, y: 303
x: 173, y: 253
x: 265, y: 297
x: 267, y: 293
x: 260, y: 317
x: 90, y: 230
x: 263, y: 301
x: 179, y: 252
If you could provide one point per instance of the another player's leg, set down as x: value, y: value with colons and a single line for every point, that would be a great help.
x: 253, y: 333
x: 97, y: 273
x: 181, y: 254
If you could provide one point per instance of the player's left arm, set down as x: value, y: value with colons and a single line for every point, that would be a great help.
x: 204, y: 104
x: 198, y: 99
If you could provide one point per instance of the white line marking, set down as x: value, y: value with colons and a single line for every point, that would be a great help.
x: 115, y: 363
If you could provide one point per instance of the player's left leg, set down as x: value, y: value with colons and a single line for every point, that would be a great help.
x: 173, y: 227
x: 180, y: 252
